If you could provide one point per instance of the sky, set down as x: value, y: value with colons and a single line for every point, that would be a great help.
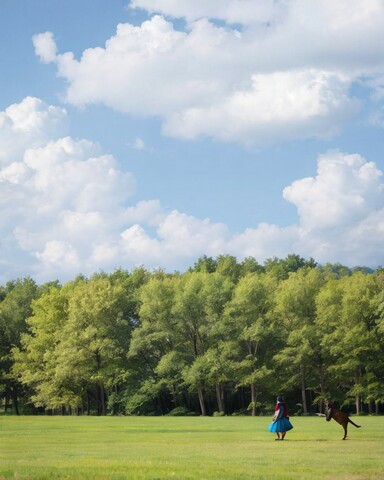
x: 152, y: 132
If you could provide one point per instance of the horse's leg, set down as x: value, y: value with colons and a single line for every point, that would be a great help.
x: 345, y: 426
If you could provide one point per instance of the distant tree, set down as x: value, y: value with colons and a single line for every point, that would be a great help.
x: 250, y: 265
x: 228, y: 266
x: 335, y: 270
x: 281, y: 268
x: 204, y: 264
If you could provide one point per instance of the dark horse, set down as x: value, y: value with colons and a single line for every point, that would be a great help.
x: 340, y: 417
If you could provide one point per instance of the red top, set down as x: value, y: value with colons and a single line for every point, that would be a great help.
x: 282, y: 409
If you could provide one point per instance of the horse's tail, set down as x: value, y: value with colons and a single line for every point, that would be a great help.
x: 350, y: 421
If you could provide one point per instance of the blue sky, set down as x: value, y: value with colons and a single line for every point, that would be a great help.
x: 152, y: 132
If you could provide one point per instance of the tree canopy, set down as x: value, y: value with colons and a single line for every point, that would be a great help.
x: 225, y: 337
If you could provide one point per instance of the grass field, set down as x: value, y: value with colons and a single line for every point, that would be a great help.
x: 187, y: 448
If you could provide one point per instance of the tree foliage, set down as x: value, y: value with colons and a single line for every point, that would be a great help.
x: 225, y: 336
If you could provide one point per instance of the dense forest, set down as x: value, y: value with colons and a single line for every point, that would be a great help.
x: 224, y: 337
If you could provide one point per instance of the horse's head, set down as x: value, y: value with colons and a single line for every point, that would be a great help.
x: 329, y: 412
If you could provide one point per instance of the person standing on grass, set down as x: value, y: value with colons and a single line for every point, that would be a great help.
x: 280, y: 423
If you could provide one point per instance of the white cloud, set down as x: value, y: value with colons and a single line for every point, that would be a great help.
x: 340, y: 219
x: 231, y: 11
x: 345, y: 191
x: 297, y: 104
x: 149, y: 211
x: 283, y: 72
x: 45, y: 47
x: 30, y: 123
x: 67, y: 208
x: 60, y: 198
x: 339, y: 15
x: 59, y: 253
x: 341, y: 210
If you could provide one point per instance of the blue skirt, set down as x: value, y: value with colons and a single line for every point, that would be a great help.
x: 282, y: 425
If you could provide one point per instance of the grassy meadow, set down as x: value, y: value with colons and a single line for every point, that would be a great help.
x: 187, y: 448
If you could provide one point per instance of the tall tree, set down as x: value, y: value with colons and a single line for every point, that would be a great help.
x: 153, y: 344
x: 301, y: 357
x: 347, y: 316
x: 15, y: 308
x: 248, y: 321
x: 96, y: 338
x: 217, y: 292
x: 191, y: 323
x: 35, y: 358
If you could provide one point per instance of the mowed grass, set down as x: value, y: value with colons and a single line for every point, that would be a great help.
x: 187, y: 448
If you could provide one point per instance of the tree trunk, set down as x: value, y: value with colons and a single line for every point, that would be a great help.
x: 220, y: 397
x: 358, y: 404
x: 303, y: 391
x: 253, y: 399
x: 102, y: 398
x: 357, y: 396
x: 88, y: 404
x: 6, y: 404
x: 322, y: 403
x: 201, y: 401
x: 15, y: 399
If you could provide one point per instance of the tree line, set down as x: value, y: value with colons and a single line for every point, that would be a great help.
x: 224, y: 337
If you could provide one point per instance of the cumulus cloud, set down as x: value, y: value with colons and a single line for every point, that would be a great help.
x: 30, y: 123
x: 68, y: 208
x: 297, y: 104
x: 341, y: 210
x: 59, y: 197
x: 346, y: 189
x: 231, y: 11
x: 274, y: 70
x: 45, y: 47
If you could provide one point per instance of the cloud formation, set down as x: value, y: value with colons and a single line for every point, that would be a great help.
x: 273, y: 71
x: 68, y: 208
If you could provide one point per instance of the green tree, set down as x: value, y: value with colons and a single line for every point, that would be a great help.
x: 217, y: 292
x: 248, y: 321
x: 375, y: 387
x: 250, y: 265
x: 204, y: 264
x: 95, y: 340
x: 301, y: 359
x: 228, y: 266
x: 281, y: 268
x: 348, y: 319
x: 15, y: 308
x: 153, y: 343
x: 35, y: 359
x: 192, y: 329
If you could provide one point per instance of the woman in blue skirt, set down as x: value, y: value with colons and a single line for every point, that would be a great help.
x: 280, y: 424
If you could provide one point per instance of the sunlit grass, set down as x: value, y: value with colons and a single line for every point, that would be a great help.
x: 187, y: 448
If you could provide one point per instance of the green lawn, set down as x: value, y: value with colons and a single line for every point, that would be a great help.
x: 187, y: 448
